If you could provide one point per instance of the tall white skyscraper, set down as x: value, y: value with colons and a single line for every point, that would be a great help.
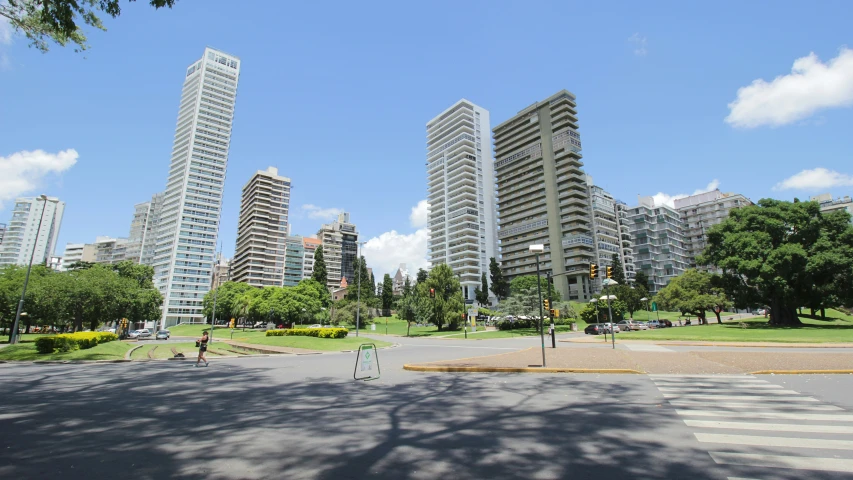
x: 23, y: 232
x: 189, y: 219
x: 461, y: 189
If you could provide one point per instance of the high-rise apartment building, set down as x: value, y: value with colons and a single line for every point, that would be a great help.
x: 262, y: 230
x: 611, y: 234
x: 827, y: 204
x: 188, y: 226
x: 109, y: 250
x: 78, y: 252
x: 221, y: 271
x: 309, y: 246
x: 32, y: 231
x: 702, y: 211
x: 340, y: 249
x: 2, y: 232
x: 660, y: 249
x: 461, y: 193
x: 143, y: 228
x: 622, y: 210
x: 542, y: 195
x: 294, y: 258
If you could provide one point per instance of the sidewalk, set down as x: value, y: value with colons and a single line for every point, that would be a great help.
x: 599, y: 340
x: 604, y: 360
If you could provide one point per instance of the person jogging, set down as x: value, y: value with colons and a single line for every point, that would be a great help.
x: 202, y: 347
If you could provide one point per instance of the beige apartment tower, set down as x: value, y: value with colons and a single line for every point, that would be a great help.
x: 262, y: 230
x: 542, y: 195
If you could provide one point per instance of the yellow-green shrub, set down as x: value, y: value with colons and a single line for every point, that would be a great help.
x: 310, y: 332
x: 67, y: 342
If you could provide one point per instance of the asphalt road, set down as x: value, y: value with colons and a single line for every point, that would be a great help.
x: 301, y: 417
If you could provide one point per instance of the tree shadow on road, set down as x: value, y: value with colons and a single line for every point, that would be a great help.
x: 169, y: 420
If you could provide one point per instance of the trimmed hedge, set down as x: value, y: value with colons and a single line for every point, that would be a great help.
x: 310, y: 332
x: 67, y: 342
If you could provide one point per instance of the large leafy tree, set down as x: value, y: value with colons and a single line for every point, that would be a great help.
x: 361, y: 282
x: 500, y: 286
x: 641, y: 278
x: 779, y: 253
x: 693, y: 292
x: 387, y: 292
x: 422, y: 276
x: 227, y: 298
x: 407, y: 304
x: 522, y: 283
x: 523, y: 302
x: 319, y: 275
x: 448, y: 303
x: 62, y: 21
x: 630, y: 296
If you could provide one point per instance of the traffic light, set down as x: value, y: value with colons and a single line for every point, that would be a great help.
x: 556, y: 313
x: 609, y: 272
x: 431, y: 293
x: 593, y: 270
x: 231, y: 324
x: 547, y: 304
x: 553, y: 312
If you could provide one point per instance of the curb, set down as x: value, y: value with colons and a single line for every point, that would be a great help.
x: 63, y: 362
x: 425, y: 368
x: 801, y: 372
x: 128, y: 353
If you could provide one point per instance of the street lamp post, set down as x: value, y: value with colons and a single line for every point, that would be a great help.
x: 648, y: 308
x: 13, y: 335
x: 358, y: 293
x: 537, y: 249
x: 597, y: 320
x: 464, y: 313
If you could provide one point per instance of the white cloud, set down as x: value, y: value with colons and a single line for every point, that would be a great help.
x: 387, y: 251
x: 313, y: 211
x: 811, y: 86
x: 22, y: 172
x: 815, y: 179
x: 639, y: 44
x: 665, y: 199
x: 420, y: 212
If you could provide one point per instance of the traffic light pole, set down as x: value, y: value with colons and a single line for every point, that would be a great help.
x: 551, y: 313
x: 541, y: 314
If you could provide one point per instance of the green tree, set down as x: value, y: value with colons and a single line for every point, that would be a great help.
x: 61, y: 21
x: 227, y: 297
x: 692, y: 292
x: 407, y: 305
x: 387, y: 292
x: 481, y: 293
x: 448, y: 303
x: 422, y: 276
x: 500, y: 286
x: 362, y: 280
x: 522, y: 283
x: 319, y: 275
x: 779, y: 253
x: 523, y: 302
x: 618, y: 273
x: 630, y: 296
x: 642, y: 279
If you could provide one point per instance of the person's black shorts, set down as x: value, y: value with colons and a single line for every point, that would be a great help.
x: 203, y: 347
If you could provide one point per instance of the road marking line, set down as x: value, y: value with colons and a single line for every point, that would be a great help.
x: 751, y: 406
x: 741, y: 478
x: 457, y: 346
x: 757, y: 398
x: 779, y: 461
x: 831, y: 417
x: 770, y: 427
x: 763, y: 441
x: 646, y: 348
x: 745, y: 385
x: 744, y: 389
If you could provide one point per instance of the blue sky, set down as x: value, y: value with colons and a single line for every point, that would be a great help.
x: 337, y: 95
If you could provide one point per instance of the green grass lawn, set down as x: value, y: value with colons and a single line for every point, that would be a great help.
x: 350, y: 342
x: 196, y: 329
x: 105, y: 351
x: 24, y: 338
x: 836, y: 330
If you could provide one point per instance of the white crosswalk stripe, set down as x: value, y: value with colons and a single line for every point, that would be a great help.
x: 743, y: 419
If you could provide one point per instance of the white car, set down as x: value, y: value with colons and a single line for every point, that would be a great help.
x: 316, y: 326
x: 144, y: 333
x: 132, y: 334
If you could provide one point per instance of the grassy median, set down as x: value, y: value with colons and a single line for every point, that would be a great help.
x: 835, y: 329
x: 105, y: 351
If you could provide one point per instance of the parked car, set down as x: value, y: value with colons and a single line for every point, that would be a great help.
x: 163, y: 335
x: 660, y: 324
x: 762, y: 311
x: 316, y: 326
x: 594, y: 329
x: 144, y: 333
x: 132, y: 334
x: 628, y: 325
x: 609, y: 326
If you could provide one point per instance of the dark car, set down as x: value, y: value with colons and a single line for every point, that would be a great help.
x: 594, y: 329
